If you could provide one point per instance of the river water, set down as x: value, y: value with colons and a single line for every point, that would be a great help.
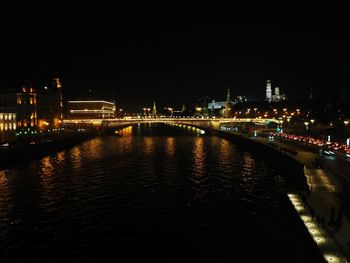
x: 157, y: 192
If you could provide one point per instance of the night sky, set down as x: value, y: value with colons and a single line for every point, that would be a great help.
x: 172, y: 63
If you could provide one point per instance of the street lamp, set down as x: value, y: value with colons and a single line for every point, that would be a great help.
x: 306, y: 125
x: 346, y: 123
x: 198, y: 109
x: 312, y: 121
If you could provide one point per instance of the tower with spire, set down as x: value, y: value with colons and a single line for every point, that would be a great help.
x: 311, y: 96
x: 183, y: 109
x: 57, y: 84
x: 154, y: 110
x: 268, y: 91
x: 228, y: 105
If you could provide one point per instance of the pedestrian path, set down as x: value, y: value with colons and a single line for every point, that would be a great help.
x: 318, y: 181
x: 332, y: 251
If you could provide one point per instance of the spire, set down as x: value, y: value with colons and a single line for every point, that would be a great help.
x: 228, y: 106
x: 183, y: 108
x: 154, y: 112
x: 228, y: 100
x: 311, y: 95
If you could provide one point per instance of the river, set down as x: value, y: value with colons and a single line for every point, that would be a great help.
x: 156, y: 192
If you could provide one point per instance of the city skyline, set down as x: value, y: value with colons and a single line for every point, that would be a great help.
x: 180, y: 63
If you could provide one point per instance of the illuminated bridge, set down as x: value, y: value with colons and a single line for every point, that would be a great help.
x: 208, y: 123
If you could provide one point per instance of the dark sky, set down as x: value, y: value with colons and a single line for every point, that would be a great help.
x: 173, y: 63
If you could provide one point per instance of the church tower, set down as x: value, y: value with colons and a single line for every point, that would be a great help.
x: 268, y: 91
x: 57, y: 84
x: 228, y: 105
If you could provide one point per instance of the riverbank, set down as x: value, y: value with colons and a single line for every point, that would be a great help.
x: 314, y: 193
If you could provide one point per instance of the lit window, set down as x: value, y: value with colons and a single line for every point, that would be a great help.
x: 6, y: 126
x: 31, y: 100
x: 1, y: 116
x: 19, y: 124
x: 19, y: 101
x: 5, y: 115
x: 24, y: 89
x: 10, y: 126
x: 1, y: 126
x: 31, y: 89
x: 10, y: 116
x: 32, y: 123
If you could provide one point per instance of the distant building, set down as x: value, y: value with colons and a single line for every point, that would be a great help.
x: 8, y: 125
x: 277, y: 97
x: 268, y: 91
x: 35, y: 108
x: 91, y: 109
x: 219, y: 108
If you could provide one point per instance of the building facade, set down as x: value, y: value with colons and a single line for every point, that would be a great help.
x: 91, y: 109
x: 8, y: 125
x: 37, y: 109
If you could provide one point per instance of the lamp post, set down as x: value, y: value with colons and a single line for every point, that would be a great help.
x: 306, y: 125
x: 199, y: 109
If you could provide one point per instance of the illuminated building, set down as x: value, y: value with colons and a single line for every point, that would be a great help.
x: 48, y: 108
x: 7, y: 125
x: 91, y: 109
x: 217, y: 108
x: 268, y: 91
x: 36, y: 108
x: 24, y: 100
x: 277, y: 97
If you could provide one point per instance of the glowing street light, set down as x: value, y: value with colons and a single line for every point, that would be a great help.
x: 346, y: 123
x: 306, y: 125
x: 312, y: 121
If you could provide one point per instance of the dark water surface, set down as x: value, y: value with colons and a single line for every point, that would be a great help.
x: 156, y: 193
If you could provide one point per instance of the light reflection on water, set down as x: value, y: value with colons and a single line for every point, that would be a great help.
x: 173, y: 193
x: 198, y: 157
